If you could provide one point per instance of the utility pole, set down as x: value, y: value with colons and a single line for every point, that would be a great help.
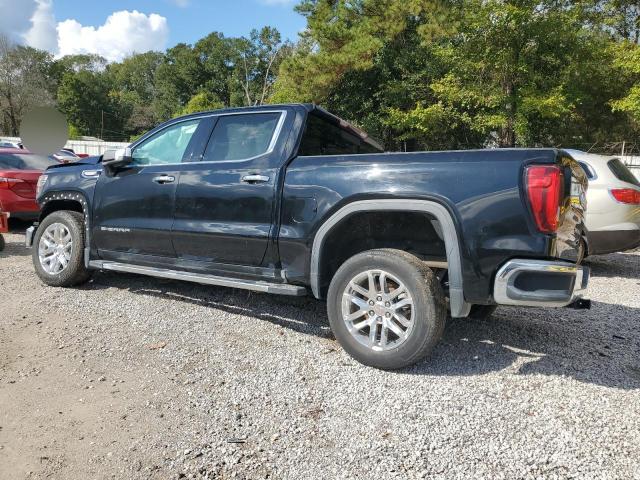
x: 102, y: 126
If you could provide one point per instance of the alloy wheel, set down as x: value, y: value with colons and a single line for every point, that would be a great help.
x: 378, y: 310
x: 54, y: 248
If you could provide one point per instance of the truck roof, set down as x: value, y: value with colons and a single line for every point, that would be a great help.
x: 309, y: 107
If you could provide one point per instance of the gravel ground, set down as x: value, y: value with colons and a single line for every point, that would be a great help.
x: 133, y: 377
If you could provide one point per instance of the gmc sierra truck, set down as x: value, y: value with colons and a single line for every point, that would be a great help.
x: 291, y: 200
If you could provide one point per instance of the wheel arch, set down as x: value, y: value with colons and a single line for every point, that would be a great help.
x: 56, y: 201
x: 459, y: 307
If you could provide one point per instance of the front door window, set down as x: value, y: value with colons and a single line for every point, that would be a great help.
x: 167, y: 146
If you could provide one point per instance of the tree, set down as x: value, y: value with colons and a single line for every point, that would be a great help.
x: 257, y: 63
x: 627, y: 59
x: 92, y: 106
x: 176, y: 79
x: 453, y: 74
x: 215, y: 59
x: 25, y: 82
x: 346, y: 35
x: 79, y: 62
x: 236, y: 71
x: 621, y: 18
x: 201, y: 102
x: 134, y: 79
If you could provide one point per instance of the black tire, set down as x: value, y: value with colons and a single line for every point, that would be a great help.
x: 429, y: 303
x: 481, y: 312
x: 75, y: 272
x: 1, y: 242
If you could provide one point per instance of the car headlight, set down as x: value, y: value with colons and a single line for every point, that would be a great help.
x: 41, y: 183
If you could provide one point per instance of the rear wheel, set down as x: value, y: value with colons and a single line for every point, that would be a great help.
x: 1, y: 243
x: 58, y: 250
x: 386, y: 308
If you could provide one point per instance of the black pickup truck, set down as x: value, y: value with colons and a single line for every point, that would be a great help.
x: 290, y: 199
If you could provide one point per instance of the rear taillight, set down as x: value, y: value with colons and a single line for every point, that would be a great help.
x: 17, y: 186
x: 9, y: 183
x: 544, y: 185
x: 626, y: 195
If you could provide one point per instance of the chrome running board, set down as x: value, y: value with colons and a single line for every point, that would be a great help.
x: 255, y: 285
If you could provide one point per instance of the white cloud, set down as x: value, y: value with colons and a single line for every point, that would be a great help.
x: 42, y: 33
x: 122, y: 34
x: 15, y: 18
x: 181, y: 3
x: 32, y: 22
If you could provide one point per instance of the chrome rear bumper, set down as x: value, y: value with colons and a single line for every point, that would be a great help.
x: 539, y: 283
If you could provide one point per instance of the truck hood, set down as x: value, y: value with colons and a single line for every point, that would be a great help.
x: 85, y: 161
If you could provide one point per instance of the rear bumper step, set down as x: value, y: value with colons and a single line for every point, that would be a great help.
x: 257, y: 286
x: 540, y: 283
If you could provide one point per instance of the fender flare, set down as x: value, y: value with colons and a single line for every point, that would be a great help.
x: 81, y: 198
x: 459, y: 307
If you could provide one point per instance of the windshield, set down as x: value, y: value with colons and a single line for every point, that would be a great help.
x: 24, y: 161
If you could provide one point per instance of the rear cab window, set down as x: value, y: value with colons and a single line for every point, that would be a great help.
x: 622, y: 173
x: 328, y: 136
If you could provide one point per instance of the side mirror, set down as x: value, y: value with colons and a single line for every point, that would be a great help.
x: 114, y: 159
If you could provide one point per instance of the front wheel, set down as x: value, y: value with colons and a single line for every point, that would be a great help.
x: 58, y: 250
x: 386, y: 308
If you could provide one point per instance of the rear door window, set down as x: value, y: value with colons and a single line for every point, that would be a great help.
x: 622, y: 173
x: 241, y: 137
x: 25, y: 161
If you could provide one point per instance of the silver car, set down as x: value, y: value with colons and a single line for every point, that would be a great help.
x: 613, y: 204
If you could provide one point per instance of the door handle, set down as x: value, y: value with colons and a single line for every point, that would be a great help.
x: 162, y: 179
x: 255, y: 179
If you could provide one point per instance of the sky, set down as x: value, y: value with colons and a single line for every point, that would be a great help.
x: 117, y: 28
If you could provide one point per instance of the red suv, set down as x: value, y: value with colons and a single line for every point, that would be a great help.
x: 19, y: 173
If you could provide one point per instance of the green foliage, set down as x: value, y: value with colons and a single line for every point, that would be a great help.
x: 454, y: 74
x: 91, y: 105
x: 74, y: 132
x: 201, y: 102
x: 627, y: 60
x: 25, y: 81
x: 257, y: 63
x: 236, y: 71
x: 417, y: 74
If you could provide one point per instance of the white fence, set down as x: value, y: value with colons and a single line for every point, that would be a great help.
x: 93, y: 147
x: 90, y: 147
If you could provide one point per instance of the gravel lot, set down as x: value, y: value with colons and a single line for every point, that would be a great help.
x: 133, y: 377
